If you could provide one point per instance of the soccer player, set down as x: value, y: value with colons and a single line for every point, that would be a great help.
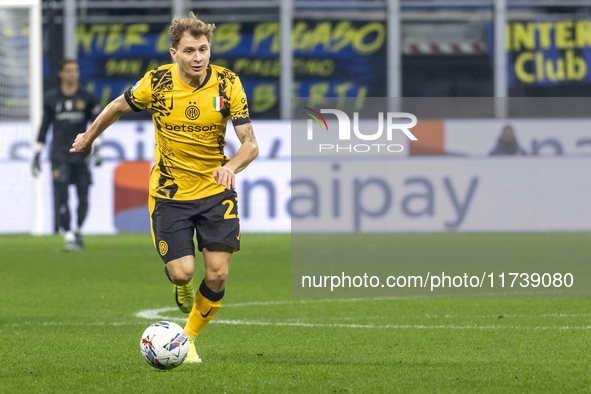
x: 192, y: 181
x: 69, y: 109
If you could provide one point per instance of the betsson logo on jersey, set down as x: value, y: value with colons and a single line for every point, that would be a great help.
x: 344, y: 131
x: 190, y: 128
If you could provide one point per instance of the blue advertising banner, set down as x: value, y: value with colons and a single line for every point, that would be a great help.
x: 331, y: 58
x: 548, y: 53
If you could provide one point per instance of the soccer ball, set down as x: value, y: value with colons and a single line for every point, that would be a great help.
x: 164, y: 345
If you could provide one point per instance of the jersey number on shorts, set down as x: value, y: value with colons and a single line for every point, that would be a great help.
x: 230, y: 204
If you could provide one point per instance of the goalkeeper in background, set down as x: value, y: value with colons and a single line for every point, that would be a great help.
x: 69, y: 109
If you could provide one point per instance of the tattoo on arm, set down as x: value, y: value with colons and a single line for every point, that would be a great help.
x: 245, y: 132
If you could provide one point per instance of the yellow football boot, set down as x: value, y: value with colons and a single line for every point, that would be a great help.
x: 192, y: 356
x: 184, y: 297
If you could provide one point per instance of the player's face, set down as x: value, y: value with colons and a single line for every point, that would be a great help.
x: 192, y: 56
x: 70, y: 73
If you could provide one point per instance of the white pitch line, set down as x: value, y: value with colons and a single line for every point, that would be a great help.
x: 155, y: 314
x: 308, y: 325
x: 300, y: 302
x: 150, y: 313
x: 298, y: 324
x: 394, y: 326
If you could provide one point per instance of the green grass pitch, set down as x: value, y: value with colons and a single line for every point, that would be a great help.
x: 70, y: 323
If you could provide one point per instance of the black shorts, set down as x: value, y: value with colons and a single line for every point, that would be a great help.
x: 77, y: 173
x: 212, y: 219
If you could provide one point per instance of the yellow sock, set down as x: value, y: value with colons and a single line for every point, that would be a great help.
x: 207, y: 303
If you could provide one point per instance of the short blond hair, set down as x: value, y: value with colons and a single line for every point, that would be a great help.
x: 193, y: 25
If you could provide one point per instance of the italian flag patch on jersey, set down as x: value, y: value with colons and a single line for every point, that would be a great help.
x: 218, y: 103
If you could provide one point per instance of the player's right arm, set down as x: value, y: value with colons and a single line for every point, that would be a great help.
x: 106, y: 118
x: 136, y: 98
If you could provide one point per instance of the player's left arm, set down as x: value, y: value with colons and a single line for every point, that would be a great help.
x: 248, y: 151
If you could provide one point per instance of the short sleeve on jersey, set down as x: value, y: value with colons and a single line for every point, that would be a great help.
x: 238, y: 105
x: 139, y: 96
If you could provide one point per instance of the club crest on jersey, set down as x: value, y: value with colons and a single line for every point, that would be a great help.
x: 163, y: 246
x: 218, y: 103
x: 80, y: 105
x: 192, y: 112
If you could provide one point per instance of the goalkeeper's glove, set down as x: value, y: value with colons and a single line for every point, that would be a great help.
x: 36, y: 168
x: 97, y: 159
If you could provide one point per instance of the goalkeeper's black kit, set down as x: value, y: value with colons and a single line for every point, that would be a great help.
x: 69, y: 116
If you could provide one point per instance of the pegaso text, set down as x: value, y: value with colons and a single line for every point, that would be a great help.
x: 395, y: 121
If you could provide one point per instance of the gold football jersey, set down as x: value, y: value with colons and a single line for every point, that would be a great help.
x: 190, y: 128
